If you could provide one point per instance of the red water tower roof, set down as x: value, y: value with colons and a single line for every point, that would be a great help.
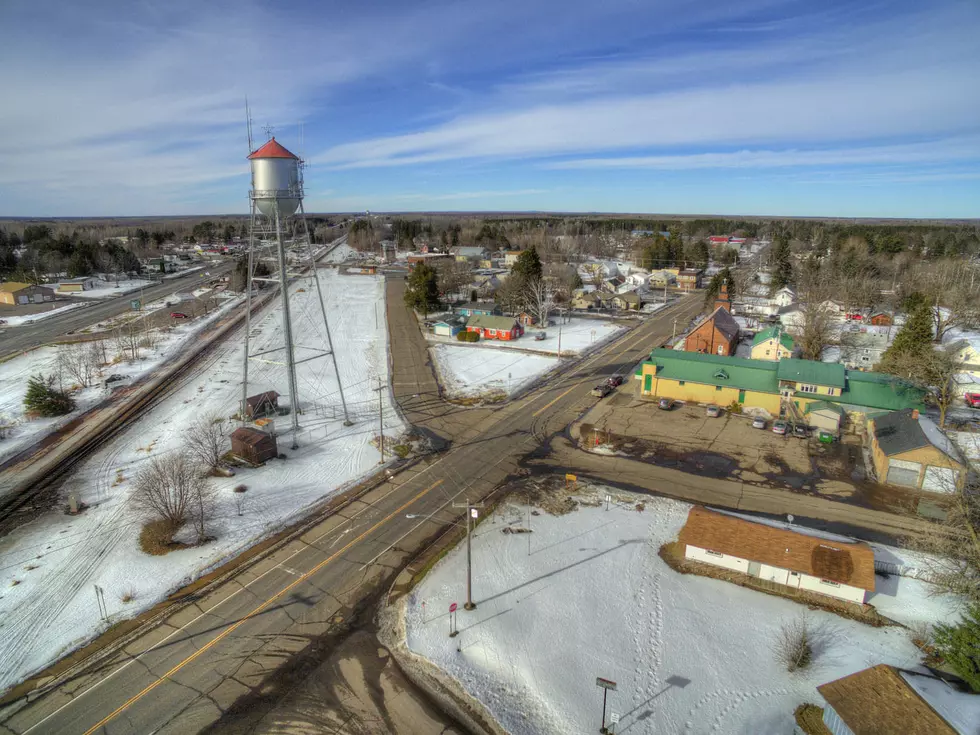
x: 272, y: 149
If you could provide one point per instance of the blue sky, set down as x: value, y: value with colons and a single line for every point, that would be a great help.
x: 715, y: 107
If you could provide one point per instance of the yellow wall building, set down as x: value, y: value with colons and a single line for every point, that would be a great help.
x: 772, y: 344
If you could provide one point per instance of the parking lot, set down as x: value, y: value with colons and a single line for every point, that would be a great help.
x: 725, y: 446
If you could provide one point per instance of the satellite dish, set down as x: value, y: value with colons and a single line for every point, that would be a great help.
x: 789, y: 517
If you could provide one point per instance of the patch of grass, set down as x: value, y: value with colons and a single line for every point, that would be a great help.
x: 809, y: 717
x: 157, y: 538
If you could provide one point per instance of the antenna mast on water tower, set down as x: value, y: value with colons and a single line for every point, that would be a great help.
x: 276, y: 208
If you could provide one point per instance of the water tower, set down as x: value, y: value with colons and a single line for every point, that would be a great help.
x: 278, y: 220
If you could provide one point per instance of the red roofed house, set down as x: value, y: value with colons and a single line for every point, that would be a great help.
x: 718, y: 239
x: 841, y: 569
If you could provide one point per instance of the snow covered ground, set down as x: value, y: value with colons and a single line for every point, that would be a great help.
x: 467, y: 372
x: 56, y: 310
x: 105, y: 290
x: 593, y: 598
x: 15, y: 373
x: 49, y: 567
x: 577, y: 336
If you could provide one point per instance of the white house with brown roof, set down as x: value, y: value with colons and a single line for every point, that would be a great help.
x: 821, y: 564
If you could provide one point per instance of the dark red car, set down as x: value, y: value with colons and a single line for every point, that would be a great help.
x: 177, y: 315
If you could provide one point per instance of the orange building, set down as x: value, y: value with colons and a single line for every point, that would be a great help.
x: 715, y: 335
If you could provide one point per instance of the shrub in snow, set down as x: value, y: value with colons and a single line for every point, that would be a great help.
x: 467, y: 336
x: 959, y: 645
x: 45, y: 400
x: 794, y: 644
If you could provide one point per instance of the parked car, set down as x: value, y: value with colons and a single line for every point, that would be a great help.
x: 114, y: 378
x: 713, y: 411
x: 779, y: 427
x: 178, y: 315
x: 602, y: 390
x: 972, y: 400
x: 758, y: 423
x: 801, y: 430
x: 538, y: 336
x: 665, y: 404
x: 615, y: 381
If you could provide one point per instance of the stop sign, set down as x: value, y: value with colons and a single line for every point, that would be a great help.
x: 452, y: 607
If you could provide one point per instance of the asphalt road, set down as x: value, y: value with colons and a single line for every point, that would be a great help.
x: 226, y: 661
x: 18, y: 339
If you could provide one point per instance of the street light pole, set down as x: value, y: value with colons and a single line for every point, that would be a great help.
x: 471, y: 512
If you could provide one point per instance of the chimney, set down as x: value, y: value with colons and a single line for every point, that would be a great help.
x: 723, y: 300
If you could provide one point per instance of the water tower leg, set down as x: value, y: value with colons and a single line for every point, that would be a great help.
x: 287, y: 329
x: 323, y: 311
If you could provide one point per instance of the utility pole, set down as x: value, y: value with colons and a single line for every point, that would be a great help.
x: 673, y: 333
x: 471, y: 513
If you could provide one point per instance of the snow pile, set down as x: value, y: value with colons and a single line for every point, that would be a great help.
x: 15, y: 373
x: 593, y: 598
x: 472, y: 371
x: 16, y: 321
x: 57, y: 559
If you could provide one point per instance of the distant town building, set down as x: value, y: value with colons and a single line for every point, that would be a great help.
x: 18, y: 294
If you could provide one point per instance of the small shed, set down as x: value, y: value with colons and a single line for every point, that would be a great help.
x: 449, y: 327
x: 881, y: 319
x: 262, y: 404
x: 253, y: 445
x: 824, y: 415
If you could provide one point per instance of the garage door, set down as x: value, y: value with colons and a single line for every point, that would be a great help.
x: 905, y: 474
x: 940, y: 480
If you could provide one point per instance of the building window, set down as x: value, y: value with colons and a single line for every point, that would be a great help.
x: 767, y: 353
x: 718, y: 387
x: 493, y: 332
x: 681, y: 382
x: 709, y: 552
x: 829, y: 583
x: 805, y: 388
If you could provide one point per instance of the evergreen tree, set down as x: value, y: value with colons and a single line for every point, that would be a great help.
x: 914, y: 338
x: 44, y: 399
x: 422, y: 291
x: 528, y: 265
x: 959, y: 645
x: 782, y: 264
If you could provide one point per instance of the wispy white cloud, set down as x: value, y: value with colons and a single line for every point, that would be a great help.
x: 471, y: 194
x: 955, y: 150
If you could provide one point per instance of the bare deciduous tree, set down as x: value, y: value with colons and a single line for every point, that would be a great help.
x: 75, y: 361
x: 172, y: 489
x: 816, y: 330
x: 127, y: 338
x: 934, y: 371
x: 953, y: 545
x: 205, y: 439
x: 538, y: 300
x: 955, y: 296
x: 595, y: 273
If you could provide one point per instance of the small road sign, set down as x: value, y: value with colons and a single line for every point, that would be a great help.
x: 614, y: 717
x: 571, y: 478
x: 135, y: 304
x: 452, y: 608
x: 474, y: 512
x: 605, y: 683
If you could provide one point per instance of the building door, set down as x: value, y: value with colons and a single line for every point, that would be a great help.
x: 755, y: 569
x: 741, y: 396
x: 647, y: 383
x: 940, y: 479
x: 902, y: 473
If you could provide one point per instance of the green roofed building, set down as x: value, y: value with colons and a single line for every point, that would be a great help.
x: 788, y: 386
x: 773, y: 344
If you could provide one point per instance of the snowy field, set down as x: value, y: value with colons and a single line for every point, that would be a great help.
x: 106, y: 290
x: 49, y: 567
x: 15, y: 373
x: 593, y: 598
x: 16, y: 321
x: 469, y: 372
x: 577, y: 336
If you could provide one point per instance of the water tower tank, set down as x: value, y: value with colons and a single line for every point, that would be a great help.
x: 275, y: 177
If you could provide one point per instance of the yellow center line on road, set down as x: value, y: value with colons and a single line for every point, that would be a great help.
x: 136, y: 697
x: 548, y: 405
